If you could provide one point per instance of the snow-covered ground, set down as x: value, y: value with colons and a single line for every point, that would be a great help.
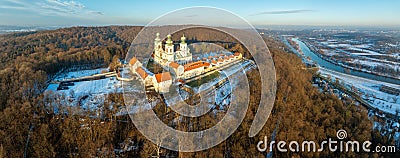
x: 387, y: 128
x: 364, y: 50
x: 81, y: 73
x: 369, y: 90
x: 227, y: 72
x: 89, y: 95
x: 360, y: 47
x: 369, y: 63
x: 329, y: 52
x: 363, y: 46
x: 220, y: 96
x: 373, y: 63
x: 363, y: 53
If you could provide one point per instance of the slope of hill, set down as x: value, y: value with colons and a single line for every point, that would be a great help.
x: 29, y: 60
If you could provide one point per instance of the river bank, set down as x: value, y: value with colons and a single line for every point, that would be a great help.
x: 321, y: 61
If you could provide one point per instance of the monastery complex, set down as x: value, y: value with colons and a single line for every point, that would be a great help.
x: 178, y: 64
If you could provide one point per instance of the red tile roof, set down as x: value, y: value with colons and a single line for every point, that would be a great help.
x: 133, y: 61
x: 142, y: 73
x: 161, y: 77
x: 174, y: 65
x: 192, y: 63
x: 214, y: 62
x: 236, y: 54
x: 196, y: 65
x: 220, y: 60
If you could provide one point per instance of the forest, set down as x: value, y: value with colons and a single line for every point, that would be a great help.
x: 29, y: 127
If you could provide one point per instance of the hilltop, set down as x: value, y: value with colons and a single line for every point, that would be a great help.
x: 30, y: 60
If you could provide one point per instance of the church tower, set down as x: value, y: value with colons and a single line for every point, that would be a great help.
x: 183, y: 44
x: 157, y: 48
x: 169, y: 49
x: 184, y: 53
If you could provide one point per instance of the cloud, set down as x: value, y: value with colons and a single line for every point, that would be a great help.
x: 191, y: 16
x: 12, y: 7
x: 97, y: 12
x: 283, y: 12
x: 51, y: 8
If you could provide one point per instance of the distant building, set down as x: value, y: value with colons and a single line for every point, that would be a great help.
x: 162, y: 82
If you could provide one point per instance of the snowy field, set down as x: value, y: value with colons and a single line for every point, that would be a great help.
x: 329, y: 52
x: 369, y: 89
x: 363, y: 52
x: 89, y: 95
x: 81, y: 73
x: 360, y: 48
x: 369, y: 63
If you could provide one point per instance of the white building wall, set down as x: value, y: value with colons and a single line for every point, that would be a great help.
x: 135, y: 66
x: 149, y: 80
x: 162, y: 87
x: 194, y: 72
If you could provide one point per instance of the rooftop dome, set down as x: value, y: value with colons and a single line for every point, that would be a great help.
x: 169, y: 41
x: 158, y: 37
x: 183, y: 38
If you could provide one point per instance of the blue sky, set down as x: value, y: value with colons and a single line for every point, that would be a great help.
x: 263, y: 12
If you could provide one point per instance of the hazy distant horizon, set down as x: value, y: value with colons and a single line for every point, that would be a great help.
x: 4, y: 29
x: 365, y: 13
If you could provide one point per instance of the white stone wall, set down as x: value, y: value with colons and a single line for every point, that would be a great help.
x: 194, y: 72
x: 162, y: 87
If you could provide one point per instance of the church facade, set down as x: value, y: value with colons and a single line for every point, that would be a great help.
x: 181, y: 63
x: 165, y: 56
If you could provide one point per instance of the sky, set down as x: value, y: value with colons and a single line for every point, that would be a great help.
x: 258, y: 13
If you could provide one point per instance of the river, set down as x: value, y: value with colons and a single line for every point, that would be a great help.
x: 323, y: 63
